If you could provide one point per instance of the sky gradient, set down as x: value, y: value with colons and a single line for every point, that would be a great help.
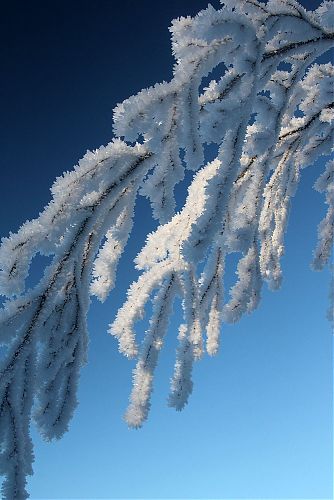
x: 259, y: 422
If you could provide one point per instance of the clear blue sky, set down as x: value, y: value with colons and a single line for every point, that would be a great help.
x: 259, y: 423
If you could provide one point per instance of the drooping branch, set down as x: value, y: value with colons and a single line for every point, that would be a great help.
x: 267, y: 124
x: 226, y: 201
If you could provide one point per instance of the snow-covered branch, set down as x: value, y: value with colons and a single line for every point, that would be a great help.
x: 269, y: 114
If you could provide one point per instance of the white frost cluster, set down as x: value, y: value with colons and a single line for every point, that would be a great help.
x: 269, y: 114
x: 325, y: 184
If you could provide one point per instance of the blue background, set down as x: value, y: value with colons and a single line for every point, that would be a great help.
x: 259, y: 423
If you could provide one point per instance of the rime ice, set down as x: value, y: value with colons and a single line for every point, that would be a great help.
x: 267, y: 122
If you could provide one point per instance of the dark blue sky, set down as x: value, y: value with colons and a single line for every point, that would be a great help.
x: 259, y: 422
x: 65, y: 66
